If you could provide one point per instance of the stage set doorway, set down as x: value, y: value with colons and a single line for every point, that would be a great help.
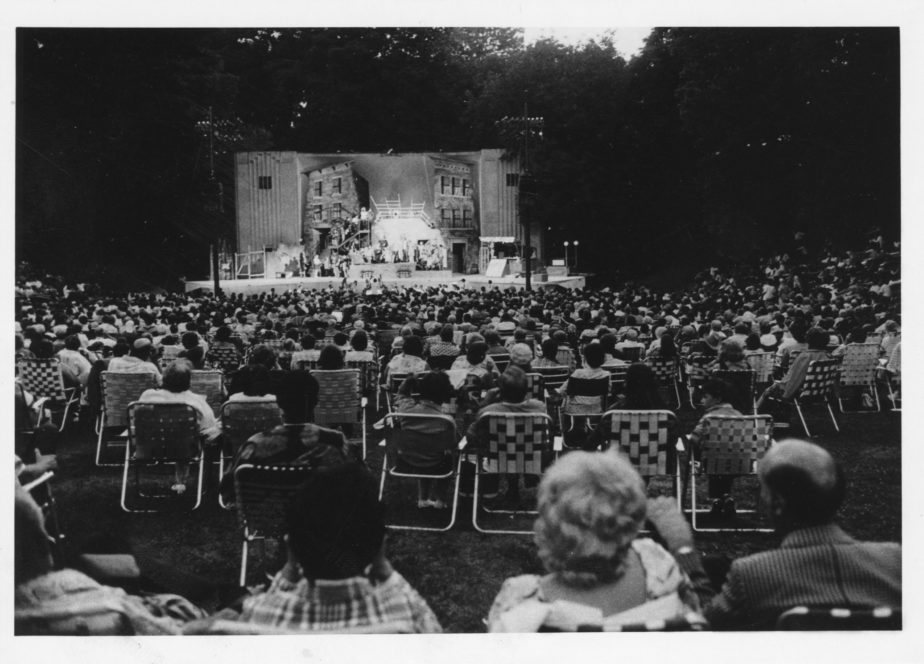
x: 458, y: 257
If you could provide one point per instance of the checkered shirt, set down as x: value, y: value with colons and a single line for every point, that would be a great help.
x: 317, y: 605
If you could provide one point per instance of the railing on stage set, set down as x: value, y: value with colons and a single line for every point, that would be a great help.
x: 392, y: 209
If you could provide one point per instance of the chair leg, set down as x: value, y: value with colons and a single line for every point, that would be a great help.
x: 125, y: 477
x: 201, y: 477
x: 384, y: 474
x: 364, y: 434
x: 833, y: 419
x: 243, y: 578
x: 802, y: 418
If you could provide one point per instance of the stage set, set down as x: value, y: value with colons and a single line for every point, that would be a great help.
x: 317, y: 220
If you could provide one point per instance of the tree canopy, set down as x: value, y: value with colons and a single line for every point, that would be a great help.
x: 710, y: 143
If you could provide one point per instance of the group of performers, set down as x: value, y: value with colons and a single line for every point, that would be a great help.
x: 425, y: 254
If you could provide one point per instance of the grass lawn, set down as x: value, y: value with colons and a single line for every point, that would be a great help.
x: 460, y: 571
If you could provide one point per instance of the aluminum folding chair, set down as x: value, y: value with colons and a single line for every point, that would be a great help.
x: 858, y: 370
x: 239, y: 421
x: 119, y: 391
x: 644, y: 436
x: 42, y: 378
x: 403, y: 446
x: 617, y: 377
x: 695, y: 374
x: 210, y: 384
x: 806, y: 619
x: 762, y: 365
x: 818, y: 387
x: 161, y: 433
x: 665, y: 371
x: 501, y: 360
x: 731, y: 446
x: 262, y: 495
x: 535, y: 386
x: 515, y: 446
x: 226, y: 359
x: 340, y: 400
x: 585, y: 399
x: 368, y: 374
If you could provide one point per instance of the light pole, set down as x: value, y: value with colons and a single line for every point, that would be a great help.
x: 576, y: 243
x: 566, y: 255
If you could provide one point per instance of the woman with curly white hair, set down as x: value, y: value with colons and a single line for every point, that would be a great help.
x: 592, y: 506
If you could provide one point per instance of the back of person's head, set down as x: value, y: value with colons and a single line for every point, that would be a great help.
x: 492, y: 338
x: 196, y: 355
x: 435, y: 386
x: 717, y: 388
x: 550, y: 349
x: 177, y: 375
x: 308, y: 341
x: 608, y: 342
x: 743, y: 328
x: 752, y: 342
x: 335, y: 522
x: 413, y: 345
x: 512, y: 385
x: 591, y: 507
x: 477, y: 352
x: 72, y: 342
x: 263, y: 354
x: 341, y: 339
x: 189, y: 340
x: 594, y: 355
x: 42, y: 348
x: 798, y: 329
x: 642, y: 388
x: 331, y: 358
x: 731, y: 350
x: 560, y: 336
x: 631, y: 334
x: 223, y: 333
x: 803, y: 483
x: 668, y: 347
x: 817, y: 338
x: 360, y: 340
x: 255, y: 379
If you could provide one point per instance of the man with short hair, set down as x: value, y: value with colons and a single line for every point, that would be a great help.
x: 138, y: 361
x: 817, y: 563
x: 337, y: 576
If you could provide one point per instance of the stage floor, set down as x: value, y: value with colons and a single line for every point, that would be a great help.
x: 421, y: 278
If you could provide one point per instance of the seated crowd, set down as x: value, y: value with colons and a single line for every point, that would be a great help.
x: 465, y: 352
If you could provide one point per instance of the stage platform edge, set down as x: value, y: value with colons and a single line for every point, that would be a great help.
x: 420, y: 278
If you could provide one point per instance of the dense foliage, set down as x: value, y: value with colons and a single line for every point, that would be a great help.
x: 710, y: 143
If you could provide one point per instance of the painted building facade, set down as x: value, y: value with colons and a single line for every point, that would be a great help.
x: 291, y: 198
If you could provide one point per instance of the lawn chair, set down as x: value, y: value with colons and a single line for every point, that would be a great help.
x: 806, y: 619
x: 631, y: 353
x: 119, y: 391
x: 42, y: 378
x: 858, y: 370
x: 161, y: 433
x: 239, y: 421
x: 762, y: 365
x: 368, y: 374
x: 554, y: 378
x: 501, y: 360
x: 515, y: 446
x: 731, y: 446
x: 403, y: 447
x: 818, y: 387
x: 262, y: 496
x: 617, y: 378
x: 585, y: 400
x: 209, y: 383
x: 340, y: 401
x: 695, y: 374
x: 441, y: 362
x: 644, y: 436
x: 226, y: 359
x: 535, y: 386
x: 665, y: 371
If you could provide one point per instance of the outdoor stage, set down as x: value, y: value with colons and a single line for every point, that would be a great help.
x: 418, y: 278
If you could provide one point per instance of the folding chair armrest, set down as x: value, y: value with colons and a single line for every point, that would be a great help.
x: 39, y: 404
x: 383, y: 443
x: 463, y: 443
x: 558, y: 443
x: 39, y: 481
x: 364, y: 402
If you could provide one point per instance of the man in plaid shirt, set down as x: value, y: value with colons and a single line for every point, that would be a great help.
x: 337, y: 576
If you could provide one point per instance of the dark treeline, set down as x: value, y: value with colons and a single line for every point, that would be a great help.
x: 711, y: 144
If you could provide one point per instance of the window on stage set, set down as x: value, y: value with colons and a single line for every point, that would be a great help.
x: 337, y: 185
x: 466, y: 187
x: 336, y: 210
x: 318, y: 188
x: 444, y: 184
x: 456, y: 217
x: 467, y: 218
x: 455, y: 186
x: 446, y: 216
x: 513, y: 179
x: 265, y: 182
x: 318, y: 212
